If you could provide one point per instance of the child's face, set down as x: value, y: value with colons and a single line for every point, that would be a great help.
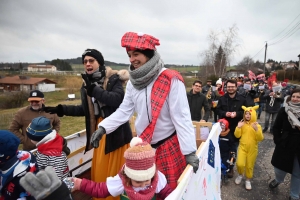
x: 247, y: 116
x: 140, y: 183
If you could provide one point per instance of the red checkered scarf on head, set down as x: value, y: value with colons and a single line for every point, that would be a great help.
x: 132, y: 41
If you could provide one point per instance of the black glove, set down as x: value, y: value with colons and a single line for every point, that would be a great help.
x: 88, y: 85
x: 193, y: 160
x: 59, y: 110
x: 96, y: 137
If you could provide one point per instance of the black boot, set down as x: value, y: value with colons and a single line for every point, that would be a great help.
x: 265, y: 129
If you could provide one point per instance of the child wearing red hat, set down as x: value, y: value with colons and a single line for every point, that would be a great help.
x: 138, y: 179
x: 227, y: 148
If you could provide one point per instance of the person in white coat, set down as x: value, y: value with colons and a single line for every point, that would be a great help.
x: 157, y: 96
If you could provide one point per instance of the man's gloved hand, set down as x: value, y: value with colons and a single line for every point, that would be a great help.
x: 96, y: 137
x: 193, y: 160
x: 41, y: 185
x: 59, y: 110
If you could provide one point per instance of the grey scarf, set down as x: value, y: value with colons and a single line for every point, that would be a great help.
x: 293, y: 112
x: 142, y: 76
x: 98, y: 78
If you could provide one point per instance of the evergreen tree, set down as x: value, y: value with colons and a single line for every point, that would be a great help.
x: 220, y: 61
x: 61, y: 65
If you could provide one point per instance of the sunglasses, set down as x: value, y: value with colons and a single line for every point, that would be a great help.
x: 91, y: 61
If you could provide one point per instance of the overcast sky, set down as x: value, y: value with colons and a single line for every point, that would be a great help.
x: 39, y: 30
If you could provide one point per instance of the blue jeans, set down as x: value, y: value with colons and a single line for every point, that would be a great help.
x: 267, y: 119
x: 261, y: 107
x: 295, y: 178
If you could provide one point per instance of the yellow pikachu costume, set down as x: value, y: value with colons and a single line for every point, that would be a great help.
x: 249, y: 138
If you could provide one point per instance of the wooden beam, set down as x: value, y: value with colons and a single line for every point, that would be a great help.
x: 77, y: 151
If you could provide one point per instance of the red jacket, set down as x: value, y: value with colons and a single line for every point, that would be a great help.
x: 100, y: 190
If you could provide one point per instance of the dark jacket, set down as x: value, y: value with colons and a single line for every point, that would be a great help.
x: 112, y: 96
x: 287, y: 141
x: 277, y: 103
x: 260, y: 94
x: 226, y: 144
x: 250, y: 95
x: 227, y: 104
x: 196, y: 102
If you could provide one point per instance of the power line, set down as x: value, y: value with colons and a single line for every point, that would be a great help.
x: 285, y: 28
x: 258, y: 52
x: 293, y: 30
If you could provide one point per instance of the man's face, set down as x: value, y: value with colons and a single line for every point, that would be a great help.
x: 36, y: 105
x: 90, y: 64
x: 231, y: 88
x: 208, y: 83
x: 196, y: 88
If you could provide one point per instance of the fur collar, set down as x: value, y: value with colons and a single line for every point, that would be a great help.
x: 123, y: 75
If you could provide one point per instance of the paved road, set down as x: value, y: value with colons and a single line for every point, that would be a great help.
x: 263, y: 174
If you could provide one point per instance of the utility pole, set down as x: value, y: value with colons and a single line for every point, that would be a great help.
x: 299, y: 63
x: 265, y: 58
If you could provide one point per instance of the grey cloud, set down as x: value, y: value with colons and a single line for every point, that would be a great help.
x: 38, y: 30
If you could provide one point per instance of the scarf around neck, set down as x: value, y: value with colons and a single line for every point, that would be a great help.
x: 293, y: 112
x: 98, y: 76
x: 142, y: 76
x: 146, y: 194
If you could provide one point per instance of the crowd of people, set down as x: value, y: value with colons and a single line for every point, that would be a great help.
x: 149, y: 165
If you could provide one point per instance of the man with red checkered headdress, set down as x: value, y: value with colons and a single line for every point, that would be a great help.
x: 158, y: 97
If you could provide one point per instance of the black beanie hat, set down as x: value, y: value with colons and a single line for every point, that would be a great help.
x: 149, y: 53
x: 95, y: 54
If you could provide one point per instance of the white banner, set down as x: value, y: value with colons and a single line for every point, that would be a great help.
x: 205, y: 184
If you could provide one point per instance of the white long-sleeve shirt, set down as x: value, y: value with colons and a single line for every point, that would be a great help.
x: 174, y: 115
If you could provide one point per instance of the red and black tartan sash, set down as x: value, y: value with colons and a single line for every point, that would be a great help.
x: 159, y: 93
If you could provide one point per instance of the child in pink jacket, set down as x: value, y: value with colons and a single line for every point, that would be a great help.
x: 138, y: 178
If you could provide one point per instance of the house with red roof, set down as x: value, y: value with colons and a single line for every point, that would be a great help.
x: 26, y: 83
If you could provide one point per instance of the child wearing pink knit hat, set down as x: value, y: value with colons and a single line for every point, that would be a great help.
x: 138, y: 179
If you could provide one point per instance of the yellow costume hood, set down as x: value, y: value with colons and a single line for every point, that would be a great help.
x: 252, y: 111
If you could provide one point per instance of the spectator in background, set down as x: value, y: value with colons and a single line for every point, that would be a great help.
x: 247, y: 91
x: 260, y: 92
x: 273, y: 104
x: 207, y: 87
x: 197, y: 101
x: 215, y: 98
x: 25, y: 115
x: 286, y: 156
x: 230, y: 108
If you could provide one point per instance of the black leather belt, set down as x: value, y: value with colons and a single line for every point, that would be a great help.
x: 156, y: 145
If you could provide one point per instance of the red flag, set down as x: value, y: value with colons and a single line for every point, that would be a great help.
x: 271, y: 80
x: 251, y: 75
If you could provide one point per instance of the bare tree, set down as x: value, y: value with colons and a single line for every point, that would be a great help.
x: 230, y: 43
